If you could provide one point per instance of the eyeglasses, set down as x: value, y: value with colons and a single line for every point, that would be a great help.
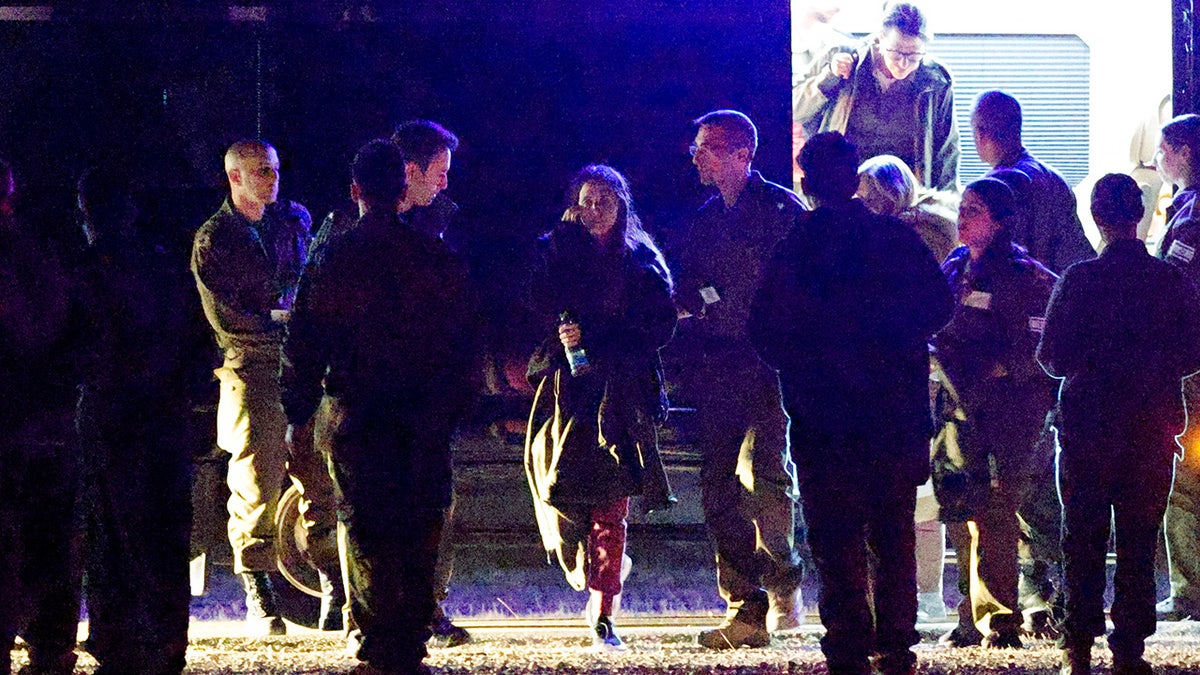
x: 905, y: 57
x: 694, y: 149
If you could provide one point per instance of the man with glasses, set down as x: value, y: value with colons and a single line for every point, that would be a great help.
x: 747, y: 480
x: 888, y: 97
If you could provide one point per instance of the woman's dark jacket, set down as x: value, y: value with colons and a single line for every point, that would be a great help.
x: 621, y: 299
x: 987, y: 351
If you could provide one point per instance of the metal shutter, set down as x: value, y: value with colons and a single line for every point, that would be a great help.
x: 1048, y: 74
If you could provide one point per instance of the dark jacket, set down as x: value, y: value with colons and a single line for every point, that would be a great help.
x: 726, y: 248
x: 1050, y: 229
x: 1122, y: 329
x: 621, y: 298
x: 386, y: 320
x: 244, y: 270
x: 998, y: 320
x: 1182, y: 239
x: 913, y: 119
x: 141, y: 338
x: 434, y: 220
x: 38, y: 345
x: 844, y: 311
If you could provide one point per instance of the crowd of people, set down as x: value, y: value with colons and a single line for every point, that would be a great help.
x: 835, y: 340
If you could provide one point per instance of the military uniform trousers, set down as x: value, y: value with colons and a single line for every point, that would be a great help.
x: 138, y: 513
x: 860, y: 517
x: 747, y: 480
x: 1112, y: 473
x: 251, y: 426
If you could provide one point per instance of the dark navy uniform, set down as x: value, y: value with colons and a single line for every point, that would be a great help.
x: 987, y: 353
x: 1182, y: 525
x: 845, y: 320
x: 1122, y: 330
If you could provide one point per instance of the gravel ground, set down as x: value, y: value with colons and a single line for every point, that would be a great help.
x: 217, y: 648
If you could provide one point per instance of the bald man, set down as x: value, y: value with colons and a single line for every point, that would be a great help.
x: 247, y: 260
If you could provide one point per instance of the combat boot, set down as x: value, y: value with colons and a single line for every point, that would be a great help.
x: 262, y: 606
x: 745, y: 627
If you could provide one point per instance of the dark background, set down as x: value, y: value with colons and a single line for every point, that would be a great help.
x: 534, y: 89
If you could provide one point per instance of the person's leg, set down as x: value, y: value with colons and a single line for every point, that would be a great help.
x: 774, y: 493
x: 996, y: 594
x: 724, y: 497
x: 931, y: 565
x: 606, y: 554
x: 444, y: 630
x: 389, y: 550
x: 1182, y: 524
x: 318, y: 506
x: 892, y: 539
x: 1039, y: 546
x: 52, y: 568
x: 835, y: 513
x: 1141, y: 498
x: 1083, y: 473
x: 251, y: 428
x: 606, y: 549
x: 1182, y: 529
x: 965, y: 634
x: 12, y: 479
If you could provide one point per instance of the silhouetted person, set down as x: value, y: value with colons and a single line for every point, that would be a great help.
x: 40, y: 567
x: 747, y: 480
x: 382, y: 340
x: 1048, y: 226
x: 844, y: 311
x: 428, y: 149
x: 247, y: 260
x: 132, y: 419
x: 1122, y: 330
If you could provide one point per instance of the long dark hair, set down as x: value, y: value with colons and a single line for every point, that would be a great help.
x: 998, y: 197
x: 628, y: 224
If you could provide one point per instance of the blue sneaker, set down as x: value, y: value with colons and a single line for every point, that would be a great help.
x: 605, y: 638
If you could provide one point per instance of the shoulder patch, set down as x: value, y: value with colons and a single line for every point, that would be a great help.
x: 1181, y: 252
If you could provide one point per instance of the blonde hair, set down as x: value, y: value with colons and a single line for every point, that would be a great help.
x: 886, y: 185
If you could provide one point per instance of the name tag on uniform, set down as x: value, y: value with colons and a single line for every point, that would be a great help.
x: 1037, y: 324
x: 1181, y: 251
x: 978, y: 300
x: 709, y: 295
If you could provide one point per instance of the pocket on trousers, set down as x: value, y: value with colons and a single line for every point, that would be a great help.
x: 233, y: 420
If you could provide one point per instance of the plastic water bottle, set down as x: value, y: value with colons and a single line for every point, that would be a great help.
x: 577, y: 357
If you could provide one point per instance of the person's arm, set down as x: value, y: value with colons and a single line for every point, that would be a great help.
x: 828, y: 74
x: 775, y: 314
x: 231, y: 267
x: 945, y: 152
x: 1059, y: 351
x: 308, y: 344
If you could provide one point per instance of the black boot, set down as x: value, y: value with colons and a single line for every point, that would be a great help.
x: 262, y: 606
x: 1076, y: 661
x: 445, y: 632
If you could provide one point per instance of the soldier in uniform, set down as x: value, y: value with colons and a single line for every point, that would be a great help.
x: 747, y: 480
x: 1179, y: 164
x: 889, y: 97
x: 40, y: 570
x: 247, y: 260
x: 844, y: 311
x: 1122, y: 330
x: 383, y: 343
